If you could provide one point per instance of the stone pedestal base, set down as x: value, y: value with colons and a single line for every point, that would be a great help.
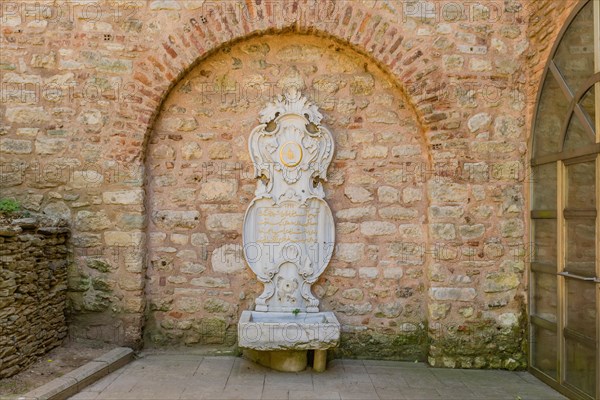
x: 279, y: 360
x: 320, y: 361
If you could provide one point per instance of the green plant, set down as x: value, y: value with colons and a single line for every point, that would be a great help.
x: 296, y: 311
x: 9, y: 205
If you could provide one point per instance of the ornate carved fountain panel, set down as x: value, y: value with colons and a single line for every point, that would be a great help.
x: 289, y: 231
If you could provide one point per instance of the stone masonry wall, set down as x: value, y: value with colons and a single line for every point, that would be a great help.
x: 33, y: 286
x: 82, y: 114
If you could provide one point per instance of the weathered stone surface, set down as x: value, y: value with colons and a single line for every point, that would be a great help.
x: 377, y: 228
x: 58, y: 209
x: 355, y: 309
x: 446, y: 192
x: 189, y: 304
x: 513, y: 228
x: 362, y: 84
x: 170, y: 219
x: 387, y: 194
x: 442, y: 231
x: 357, y: 194
x: 216, y: 306
x: 210, y: 282
x: 349, y: 252
x: 50, y: 145
x: 500, y: 282
x: 354, y: 294
x: 123, y: 239
x: 358, y: 213
x: 393, y: 273
x: 410, y: 195
x: 450, y: 293
x: 199, y: 239
x: 438, y: 311
x: 506, y: 127
x: 389, y: 310
x: 225, y: 222
x: 346, y: 227
x: 406, y: 150
x: 479, y: 121
x: 16, y: 146
x: 397, y: 213
x: 344, y: 272
x: 220, y: 151
x: 445, y: 212
x: 228, y: 259
x: 375, y: 152
x: 92, y: 221
x: 214, y: 191
x: 191, y: 151
x: 192, y: 268
x: 368, y: 272
x: 124, y: 197
x: 293, y: 53
x: 469, y: 232
x: 453, y: 62
x: 163, y: 151
x: 27, y: 115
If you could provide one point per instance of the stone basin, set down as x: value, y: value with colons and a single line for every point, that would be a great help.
x: 265, y: 331
x: 281, y: 340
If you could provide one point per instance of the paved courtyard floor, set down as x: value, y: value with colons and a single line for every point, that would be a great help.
x: 185, y: 376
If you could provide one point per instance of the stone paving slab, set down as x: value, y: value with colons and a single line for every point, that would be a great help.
x: 78, y: 379
x: 192, y: 377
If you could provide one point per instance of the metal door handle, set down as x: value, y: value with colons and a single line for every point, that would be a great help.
x: 581, y: 278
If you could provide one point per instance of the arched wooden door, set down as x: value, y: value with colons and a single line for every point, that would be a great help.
x: 565, y: 166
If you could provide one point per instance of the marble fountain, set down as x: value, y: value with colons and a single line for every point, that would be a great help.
x: 289, y: 237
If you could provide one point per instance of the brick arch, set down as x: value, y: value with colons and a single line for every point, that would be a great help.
x: 543, y: 39
x: 366, y: 31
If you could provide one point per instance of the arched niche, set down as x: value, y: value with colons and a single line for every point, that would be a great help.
x: 200, y: 181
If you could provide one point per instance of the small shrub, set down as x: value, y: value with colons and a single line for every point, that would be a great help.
x: 8, y: 206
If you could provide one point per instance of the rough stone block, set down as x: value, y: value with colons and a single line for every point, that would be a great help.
x: 124, y: 197
x: 378, y: 228
x: 451, y: 293
x: 228, y: 259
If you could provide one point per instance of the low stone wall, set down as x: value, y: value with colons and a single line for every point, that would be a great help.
x: 33, y: 276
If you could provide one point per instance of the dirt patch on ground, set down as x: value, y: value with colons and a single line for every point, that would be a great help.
x: 62, y: 360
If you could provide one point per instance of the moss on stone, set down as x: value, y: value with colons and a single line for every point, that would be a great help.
x: 406, y: 346
x: 480, y: 344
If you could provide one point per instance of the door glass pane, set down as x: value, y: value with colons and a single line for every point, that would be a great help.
x: 580, y: 353
x: 544, y: 187
x: 544, y: 241
x: 551, y: 114
x: 581, y: 230
x: 575, y: 54
x: 581, y: 307
x: 577, y: 136
x: 588, y: 103
x: 544, y: 287
x: 543, y: 347
x: 580, y: 366
x: 581, y: 186
x: 581, y: 246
